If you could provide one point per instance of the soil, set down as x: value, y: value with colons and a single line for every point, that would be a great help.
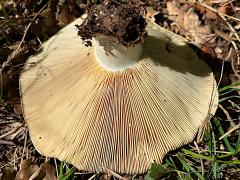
x: 121, y: 20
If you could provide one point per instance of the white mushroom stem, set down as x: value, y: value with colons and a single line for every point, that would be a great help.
x: 116, y: 57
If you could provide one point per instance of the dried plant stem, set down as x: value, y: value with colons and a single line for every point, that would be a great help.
x: 10, y: 132
x: 230, y: 131
x: 15, y: 52
x: 201, y: 160
x: 223, y: 16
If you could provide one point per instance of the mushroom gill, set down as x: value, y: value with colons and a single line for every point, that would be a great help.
x: 81, y: 113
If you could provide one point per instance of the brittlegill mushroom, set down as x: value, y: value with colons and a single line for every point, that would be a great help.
x: 121, y: 100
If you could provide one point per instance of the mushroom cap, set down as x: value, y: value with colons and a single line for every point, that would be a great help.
x: 80, y: 113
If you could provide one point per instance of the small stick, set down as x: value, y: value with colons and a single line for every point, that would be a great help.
x: 55, y: 163
x: 229, y: 25
x: 227, y: 115
x: 201, y: 160
x: 12, y: 114
x: 214, y: 10
x: 10, y: 132
x: 92, y: 177
x: 14, y: 157
x: 5, y: 142
x: 115, y: 174
x: 24, y: 146
x: 230, y: 131
x: 12, y: 55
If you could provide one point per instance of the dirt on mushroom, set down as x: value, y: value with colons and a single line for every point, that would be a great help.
x: 123, y: 21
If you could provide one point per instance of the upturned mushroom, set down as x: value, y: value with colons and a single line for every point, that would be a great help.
x: 122, y: 103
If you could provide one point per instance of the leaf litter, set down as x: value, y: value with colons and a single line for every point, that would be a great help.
x: 211, y: 26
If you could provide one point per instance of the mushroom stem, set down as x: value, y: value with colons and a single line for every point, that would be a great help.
x: 115, y: 56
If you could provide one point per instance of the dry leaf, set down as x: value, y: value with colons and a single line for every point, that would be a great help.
x: 188, y: 24
x: 205, y: 11
x: 49, y: 22
x: 26, y: 170
x: 65, y: 17
x: 32, y: 171
x: 225, y: 9
x: 50, y: 171
x: 11, y: 127
x: 151, y: 12
x: 8, y: 174
x: 18, y: 108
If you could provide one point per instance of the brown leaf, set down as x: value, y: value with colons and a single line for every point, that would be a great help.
x: 49, y: 21
x: 26, y: 170
x: 65, y: 17
x: 33, y: 171
x: 151, y: 12
x: 225, y: 9
x: 206, y: 12
x: 50, y: 171
x: 18, y: 108
x: 208, y: 50
x: 188, y: 23
x: 8, y: 174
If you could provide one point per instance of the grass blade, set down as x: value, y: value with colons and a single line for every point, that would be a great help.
x: 189, y: 168
x: 196, y: 155
x: 221, y: 131
x: 228, y: 87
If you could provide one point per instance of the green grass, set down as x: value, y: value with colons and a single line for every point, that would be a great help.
x: 65, y: 172
x: 2, y: 8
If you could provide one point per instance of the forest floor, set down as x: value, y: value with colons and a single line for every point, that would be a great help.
x: 213, y: 26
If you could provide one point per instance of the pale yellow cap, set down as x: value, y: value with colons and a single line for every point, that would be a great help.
x: 79, y: 113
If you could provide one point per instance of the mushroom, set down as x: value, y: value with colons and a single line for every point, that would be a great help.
x: 114, y: 106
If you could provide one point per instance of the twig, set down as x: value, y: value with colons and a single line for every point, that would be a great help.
x: 24, y: 146
x: 201, y: 161
x: 12, y: 55
x: 115, y: 174
x: 233, y: 68
x: 221, y: 75
x: 227, y: 115
x: 10, y: 132
x: 35, y: 174
x: 9, y: 113
x: 92, y: 177
x: 221, y: 1
x: 235, y: 34
x: 234, y: 104
x: 5, y: 142
x: 214, y: 10
x: 13, y: 161
x: 231, y: 17
x: 230, y: 131
x: 14, y: 157
x: 229, y: 53
x: 229, y: 25
x: 56, y: 166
